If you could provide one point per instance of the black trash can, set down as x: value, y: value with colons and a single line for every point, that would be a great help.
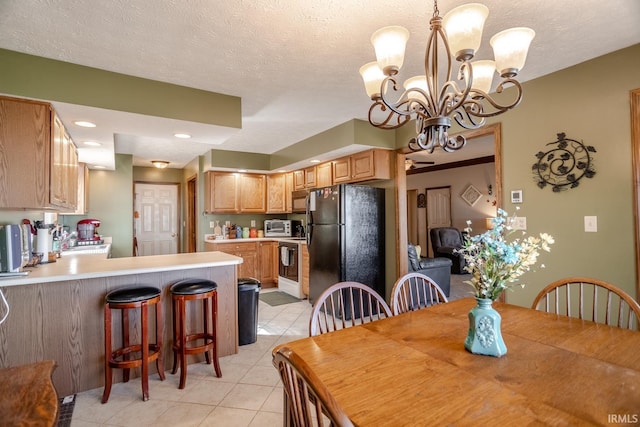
x: 248, y: 294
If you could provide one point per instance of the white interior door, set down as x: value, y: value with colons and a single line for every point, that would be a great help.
x: 438, y: 210
x: 156, y: 218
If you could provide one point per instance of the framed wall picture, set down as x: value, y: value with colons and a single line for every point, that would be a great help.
x: 471, y: 195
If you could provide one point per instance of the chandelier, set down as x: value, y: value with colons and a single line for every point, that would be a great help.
x: 432, y: 99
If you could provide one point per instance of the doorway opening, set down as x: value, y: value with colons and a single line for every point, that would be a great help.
x: 192, y: 203
x: 493, y: 132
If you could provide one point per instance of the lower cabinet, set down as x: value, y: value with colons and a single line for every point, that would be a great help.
x: 260, y: 259
x: 268, y: 263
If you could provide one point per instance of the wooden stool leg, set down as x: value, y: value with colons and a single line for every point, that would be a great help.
x: 176, y: 334
x: 183, y: 343
x: 214, y: 328
x: 144, y: 311
x: 205, y: 316
x: 159, y: 331
x: 108, y: 375
x: 125, y: 341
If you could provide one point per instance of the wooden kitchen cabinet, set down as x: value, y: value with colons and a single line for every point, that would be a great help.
x: 220, y: 195
x: 38, y: 160
x: 268, y: 263
x: 82, y: 191
x: 304, y: 270
x: 363, y: 166
x: 228, y: 192
x: 245, y: 250
x: 252, y: 193
x: 304, y: 178
x: 260, y: 259
x: 279, y: 188
x: 324, y: 175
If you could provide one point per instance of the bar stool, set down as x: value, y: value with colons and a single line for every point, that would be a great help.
x: 191, y: 290
x: 125, y: 300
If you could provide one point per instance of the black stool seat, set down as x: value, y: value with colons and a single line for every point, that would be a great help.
x: 123, y: 296
x: 193, y: 287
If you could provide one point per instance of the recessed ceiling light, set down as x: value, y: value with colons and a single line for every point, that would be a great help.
x: 315, y: 161
x: 182, y: 135
x: 92, y: 143
x: 85, y: 124
x: 242, y: 170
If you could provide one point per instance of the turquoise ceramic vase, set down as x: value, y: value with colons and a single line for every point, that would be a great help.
x: 484, y: 335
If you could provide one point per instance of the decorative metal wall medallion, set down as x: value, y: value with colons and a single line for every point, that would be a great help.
x: 564, y: 165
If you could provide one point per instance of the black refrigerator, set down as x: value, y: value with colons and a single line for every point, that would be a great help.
x: 345, y: 237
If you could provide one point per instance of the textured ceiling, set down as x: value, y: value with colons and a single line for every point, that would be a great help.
x: 294, y: 63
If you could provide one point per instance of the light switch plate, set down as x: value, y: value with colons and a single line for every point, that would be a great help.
x: 590, y: 224
x: 518, y: 223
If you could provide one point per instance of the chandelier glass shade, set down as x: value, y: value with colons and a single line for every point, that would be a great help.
x: 434, y: 98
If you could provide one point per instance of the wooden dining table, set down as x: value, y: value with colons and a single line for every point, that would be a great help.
x: 412, y: 370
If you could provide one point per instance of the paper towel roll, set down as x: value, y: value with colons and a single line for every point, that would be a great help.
x: 44, y: 241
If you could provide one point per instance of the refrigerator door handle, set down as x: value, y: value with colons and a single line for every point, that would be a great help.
x: 307, y: 201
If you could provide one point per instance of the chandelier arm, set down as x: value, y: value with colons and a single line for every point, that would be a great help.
x: 464, y: 118
x: 394, y: 106
x: 499, y: 109
x: 387, y: 122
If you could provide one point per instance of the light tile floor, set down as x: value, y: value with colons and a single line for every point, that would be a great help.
x: 248, y: 394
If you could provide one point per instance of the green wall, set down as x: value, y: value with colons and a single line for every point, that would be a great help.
x: 111, y: 201
x: 590, y: 103
x: 48, y: 79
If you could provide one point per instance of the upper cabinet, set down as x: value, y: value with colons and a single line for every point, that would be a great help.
x: 363, y: 166
x: 324, y: 175
x: 304, y: 178
x: 82, y: 207
x: 38, y: 160
x: 253, y: 193
x: 221, y: 189
x: 279, y: 188
x: 228, y: 192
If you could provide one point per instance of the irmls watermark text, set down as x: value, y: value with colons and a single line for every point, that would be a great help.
x: 623, y: 418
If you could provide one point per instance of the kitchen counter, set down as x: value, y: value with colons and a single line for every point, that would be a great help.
x: 91, y: 266
x: 56, y: 312
x: 208, y: 238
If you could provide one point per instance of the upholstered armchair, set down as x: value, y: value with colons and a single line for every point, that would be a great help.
x: 444, y: 241
x: 437, y: 269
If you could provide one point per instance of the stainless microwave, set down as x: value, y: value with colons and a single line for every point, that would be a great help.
x: 299, y: 201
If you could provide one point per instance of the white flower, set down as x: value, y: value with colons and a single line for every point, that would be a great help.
x: 494, y: 262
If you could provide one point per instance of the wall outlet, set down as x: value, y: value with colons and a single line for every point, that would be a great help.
x: 591, y: 224
x: 212, y: 224
x: 518, y: 223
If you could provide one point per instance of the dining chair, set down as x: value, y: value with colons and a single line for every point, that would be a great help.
x: 307, y: 400
x: 346, y: 304
x: 414, y: 291
x: 593, y: 299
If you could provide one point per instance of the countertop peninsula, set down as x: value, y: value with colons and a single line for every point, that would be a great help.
x: 57, y: 311
x: 92, y: 266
